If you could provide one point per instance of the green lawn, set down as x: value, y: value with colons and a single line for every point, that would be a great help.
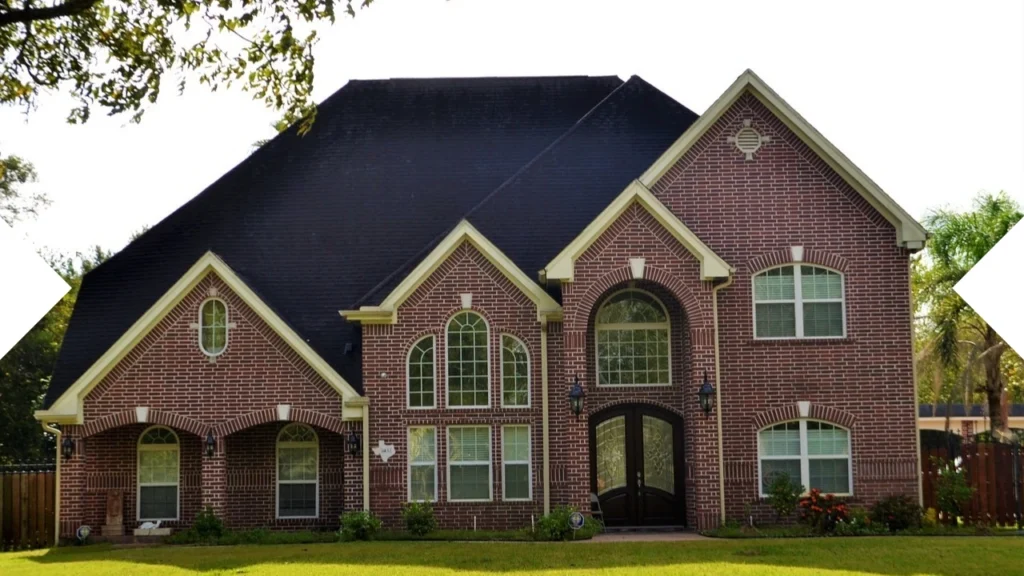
x: 951, y: 556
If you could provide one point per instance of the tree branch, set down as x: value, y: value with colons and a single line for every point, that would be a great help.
x: 69, y: 8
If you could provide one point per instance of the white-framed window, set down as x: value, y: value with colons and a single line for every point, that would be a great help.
x: 632, y: 333
x: 516, y: 468
x: 159, y: 461
x: 469, y: 365
x: 515, y: 373
x: 799, y: 301
x: 422, y: 464
x: 814, y: 454
x: 420, y: 373
x: 213, y: 327
x: 298, y: 464
x: 470, y: 477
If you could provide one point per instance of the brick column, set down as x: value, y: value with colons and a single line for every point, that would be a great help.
x: 72, y: 483
x: 215, y: 479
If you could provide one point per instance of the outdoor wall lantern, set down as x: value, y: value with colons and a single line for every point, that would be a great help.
x: 706, y: 395
x: 353, y: 443
x: 576, y: 395
x: 67, y: 447
x: 211, y: 444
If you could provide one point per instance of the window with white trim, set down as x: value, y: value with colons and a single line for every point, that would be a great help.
x: 632, y: 340
x: 812, y: 453
x: 516, y: 471
x: 468, y: 361
x: 420, y: 373
x: 297, y: 472
x: 422, y: 464
x: 469, y: 464
x: 799, y: 301
x: 213, y: 327
x: 515, y: 373
x: 158, y: 472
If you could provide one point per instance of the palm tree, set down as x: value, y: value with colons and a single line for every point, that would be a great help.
x: 960, y: 341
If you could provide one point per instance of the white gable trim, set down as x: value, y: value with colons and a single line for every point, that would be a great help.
x: 387, y: 311
x: 67, y: 409
x: 909, y: 233
x: 563, y: 266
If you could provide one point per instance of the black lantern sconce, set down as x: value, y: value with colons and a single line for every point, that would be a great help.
x: 211, y: 444
x: 67, y: 447
x: 576, y: 395
x: 706, y: 395
x: 353, y: 443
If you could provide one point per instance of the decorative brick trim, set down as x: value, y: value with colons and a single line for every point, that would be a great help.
x: 156, y: 417
x: 833, y: 415
x: 784, y: 256
x: 677, y: 410
x: 266, y: 415
x: 885, y: 469
x: 581, y: 311
x: 792, y: 412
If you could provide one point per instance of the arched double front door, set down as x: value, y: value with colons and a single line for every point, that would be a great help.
x: 636, y: 465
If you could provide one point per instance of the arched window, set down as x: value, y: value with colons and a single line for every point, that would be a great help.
x: 515, y: 373
x: 632, y: 341
x: 813, y: 454
x: 468, y: 361
x: 213, y: 327
x: 297, y: 472
x: 158, y: 467
x: 799, y: 302
x: 420, y: 373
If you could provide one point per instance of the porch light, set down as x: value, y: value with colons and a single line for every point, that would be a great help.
x: 211, y: 444
x: 67, y: 447
x: 353, y: 443
x: 706, y: 395
x: 576, y: 395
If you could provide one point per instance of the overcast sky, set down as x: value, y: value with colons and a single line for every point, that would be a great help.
x: 926, y: 97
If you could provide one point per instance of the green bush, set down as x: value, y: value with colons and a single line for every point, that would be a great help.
x: 555, y: 526
x: 360, y: 525
x: 952, y: 490
x: 254, y: 536
x: 419, y: 518
x: 783, y: 495
x: 207, y: 525
x: 897, y: 513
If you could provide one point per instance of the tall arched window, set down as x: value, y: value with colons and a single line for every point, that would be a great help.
x: 158, y: 467
x: 420, y: 373
x: 468, y: 361
x: 515, y: 373
x: 632, y: 340
x: 213, y: 327
x: 813, y: 454
x: 297, y: 472
x: 799, y: 302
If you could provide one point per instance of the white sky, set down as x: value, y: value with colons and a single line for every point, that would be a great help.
x: 927, y: 98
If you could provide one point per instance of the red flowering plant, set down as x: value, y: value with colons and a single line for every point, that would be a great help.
x: 823, y: 511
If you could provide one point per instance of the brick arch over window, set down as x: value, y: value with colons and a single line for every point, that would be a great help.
x: 821, y: 412
x: 675, y: 286
x: 266, y: 415
x: 785, y: 256
x: 646, y: 402
x: 155, y: 417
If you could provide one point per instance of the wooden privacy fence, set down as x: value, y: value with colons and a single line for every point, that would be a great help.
x: 998, y: 488
x: 26, y: 506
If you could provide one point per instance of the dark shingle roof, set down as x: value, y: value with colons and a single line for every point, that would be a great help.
x: 960, y: 411
x: 324, y: 222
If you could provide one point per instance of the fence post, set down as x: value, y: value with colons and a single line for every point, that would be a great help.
x: 1018, y: 498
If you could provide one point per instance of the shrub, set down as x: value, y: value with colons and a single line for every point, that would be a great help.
x: 783, y: 495
x: 952, y: 490
x: 360, y: 525
x: 555, y: 526
x: 419, y: 518
x: 822, y: 511
x: 897, y: 512
x: 208, y: 526
x: 930, y: 519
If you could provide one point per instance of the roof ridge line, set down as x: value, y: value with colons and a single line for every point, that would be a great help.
x: 430, y: 245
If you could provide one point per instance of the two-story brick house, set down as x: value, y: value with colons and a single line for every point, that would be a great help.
x: 489, y: 243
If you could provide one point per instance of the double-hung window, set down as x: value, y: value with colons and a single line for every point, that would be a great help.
x: 469, y: 464
x: 799, y: 301
x: 515, y: 462
x: 422, y: 464
x: 297, y: 472
x: 158, y: 471
x: 468, y: 361
x: 812, y: 453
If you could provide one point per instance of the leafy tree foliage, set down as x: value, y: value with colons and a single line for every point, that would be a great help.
x: 14, y: 204
x: 957, y: 351
x: 114, y: 53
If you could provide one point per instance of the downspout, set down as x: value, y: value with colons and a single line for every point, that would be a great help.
x: 366, y: 457
x: 545, y: 442
x: 718, y: 396
x: 917, y: 410
x: 56, y: 483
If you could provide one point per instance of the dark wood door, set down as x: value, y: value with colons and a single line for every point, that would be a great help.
x: 636, y: 457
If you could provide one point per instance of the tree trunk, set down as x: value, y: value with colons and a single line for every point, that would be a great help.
x: 994, y: 385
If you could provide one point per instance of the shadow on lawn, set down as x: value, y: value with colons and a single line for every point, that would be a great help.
x: 896, y: 556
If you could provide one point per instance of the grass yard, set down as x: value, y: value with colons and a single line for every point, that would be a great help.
x: 826, y: 556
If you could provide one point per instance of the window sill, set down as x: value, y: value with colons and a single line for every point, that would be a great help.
x: 845, y: 340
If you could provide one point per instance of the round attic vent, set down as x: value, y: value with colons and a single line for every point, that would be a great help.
x: 748, y: 140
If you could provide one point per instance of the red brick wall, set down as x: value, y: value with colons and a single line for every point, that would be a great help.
x: 385, y: 349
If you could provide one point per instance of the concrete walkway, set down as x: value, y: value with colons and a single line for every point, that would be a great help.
x: 647, y: 537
